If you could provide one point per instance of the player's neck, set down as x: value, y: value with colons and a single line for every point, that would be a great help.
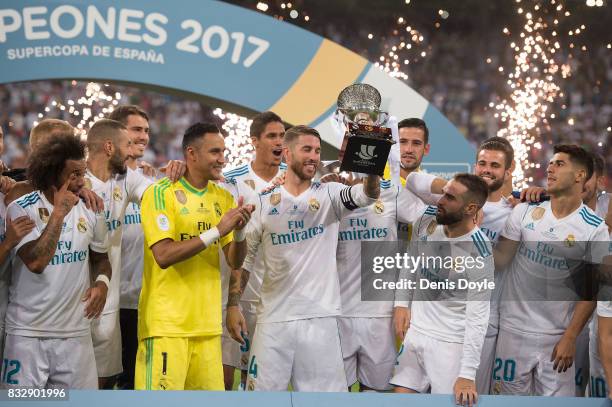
x: 459, y: 229
x: 404, y: 172
x: 592, y: 203
x: 132, y: 163
x: 294, y: 184
x: 98, y: 166
x: 195, y: 180
x: 49, y: 195
x: 564, y: 204
x: 495, y: 196
x: 264, y: 170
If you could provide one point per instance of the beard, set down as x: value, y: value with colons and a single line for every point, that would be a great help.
x: 411, y: 166
x: 117, y: 164
x: 495, y: 185
x: 298, y: 169
x: 449, y: 218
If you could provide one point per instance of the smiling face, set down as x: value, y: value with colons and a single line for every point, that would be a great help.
x: 269, y: 144
x: 303, y: 156
x: 206, y: 157
x: 490, y: 166
x: 138, y: 130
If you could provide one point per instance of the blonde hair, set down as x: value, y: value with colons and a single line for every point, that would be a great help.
x: 47, y: 128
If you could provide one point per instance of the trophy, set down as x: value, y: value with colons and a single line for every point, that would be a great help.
x: 367, y: 142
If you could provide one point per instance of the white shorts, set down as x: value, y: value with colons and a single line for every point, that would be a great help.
x: 49, y: 362
x: 305, y: 352
x: 487, y: 360
x: 368, y: 349
x: 427, y: 363
x: 597, y: 381
x: 523, y: 366
x: 581, y: 362
x: 106, y: 336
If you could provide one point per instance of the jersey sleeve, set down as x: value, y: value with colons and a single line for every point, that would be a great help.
x: 419, y: 183
x: 604, y: 309
x: 157, y: 213
x: 15, y: 211
x: 346, y: 199
x: 230, y: 203
x: 599, y: 246
x: 512, y: 229
x: 476, y: 317
x: 409, y: 206
x: 136, y: 184
x: 99, y: 241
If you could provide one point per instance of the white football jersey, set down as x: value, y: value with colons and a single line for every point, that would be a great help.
x: 132, y: 257
x: 603, y: 203
x: 5, y: 267
x: 298, y: 236
x: 452, y: 313
x: 245, y: 175
x: 377, y: 222
x: 50, y: 304
x: 533, y: 225
x: 116, y: 193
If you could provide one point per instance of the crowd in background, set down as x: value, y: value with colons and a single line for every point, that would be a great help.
x: 455, y: 76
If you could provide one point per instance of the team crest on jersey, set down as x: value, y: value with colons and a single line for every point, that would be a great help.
x: 251, y: 386
x: 250, y: 183
x: 217, y: 209
x: 43, y: 213
x: 431, y: 227
x: 497, y: 387
x: 570, y: 240
x: 537, y: 213
x: 184, y: 211
x: 275, y: 199
x: 180, y: 196
x: 87, y: 183
x: 379, y: 207
x: 82, y: 225
x: 117, y: 194
x: 313, y: 205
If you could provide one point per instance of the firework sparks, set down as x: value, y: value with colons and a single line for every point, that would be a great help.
x: 238, y: 147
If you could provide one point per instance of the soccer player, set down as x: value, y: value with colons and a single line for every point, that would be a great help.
x: 494, y: 159
x: 366, y: 329
x: 51, y: 299
x: 136, y: 121
x: 296, y: 337
x: 109, y: 147
x: 537, y: 339
x: 604, y: 316
x: 441, y: 350
x: 267, y: 132
x: 185, y: 224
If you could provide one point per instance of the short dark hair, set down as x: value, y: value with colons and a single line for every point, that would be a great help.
x: 48, y: 160
x: 196, y: 131
x: 599, y: 164
x: 577, y: 155
x: 260, y: 121
x: 296, y: 131
x: 101, y: 130
x: 477, y: 189
x: 122, y: 112
x: 495, y: 144
x: 417, y: 123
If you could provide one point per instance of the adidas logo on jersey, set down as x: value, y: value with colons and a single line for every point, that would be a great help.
x: 530, y: 226
x: 274, y: 211
x: 184, y: 211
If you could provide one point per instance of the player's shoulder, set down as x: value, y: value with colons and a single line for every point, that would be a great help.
x: 387, y: 184
x: 481, y: 242
x: 218, y: 190
x: 237, y: 172
x: 28, y: 200
x: 157, y: 193
x: 589, y: 218
x: 427, y: 221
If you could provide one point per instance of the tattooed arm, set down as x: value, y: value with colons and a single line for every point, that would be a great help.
x: 37, y: 254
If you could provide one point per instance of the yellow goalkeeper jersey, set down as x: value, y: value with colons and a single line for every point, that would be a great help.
x: 183, y: 300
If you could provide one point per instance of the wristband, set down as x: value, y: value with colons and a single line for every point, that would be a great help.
x: 239, y: 235
x: 210, y: 236
x: 104, y: 279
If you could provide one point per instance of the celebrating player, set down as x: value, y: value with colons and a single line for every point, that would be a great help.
x: 185, y: 223
x: 48, y: 341
x: 296, y: 337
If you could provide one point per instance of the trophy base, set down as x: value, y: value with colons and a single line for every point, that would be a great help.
x: 366, y: 154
